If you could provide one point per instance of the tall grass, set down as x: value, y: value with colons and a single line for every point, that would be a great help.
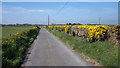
x: 14, y: 48
x: 103, y: 52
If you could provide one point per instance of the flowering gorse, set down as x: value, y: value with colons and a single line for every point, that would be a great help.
x: 94, y: 32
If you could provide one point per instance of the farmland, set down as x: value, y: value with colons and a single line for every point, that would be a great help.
x: 8, y: 31
x: 14, y: 47
x: 98, y: 42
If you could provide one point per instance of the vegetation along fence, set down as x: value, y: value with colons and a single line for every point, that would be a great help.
x: 92, y: 33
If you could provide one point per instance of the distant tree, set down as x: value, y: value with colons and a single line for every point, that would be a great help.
x: 52, y: 24
x: 74, y: 23
x: 79, y: 24
x: 69, y: 24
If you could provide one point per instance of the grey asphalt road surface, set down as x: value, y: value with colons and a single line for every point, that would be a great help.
x: 50, y: 51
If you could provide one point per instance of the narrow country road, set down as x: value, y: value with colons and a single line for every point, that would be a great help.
x: 50, y: 51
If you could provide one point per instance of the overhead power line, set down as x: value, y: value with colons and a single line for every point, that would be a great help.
x: 61, y: 8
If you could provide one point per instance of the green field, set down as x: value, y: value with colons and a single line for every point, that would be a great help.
x: 14, y: 48
x: 8, y: 31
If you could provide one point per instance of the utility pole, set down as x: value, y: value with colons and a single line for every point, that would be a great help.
x: 48, y: 19
x: 99, y: 20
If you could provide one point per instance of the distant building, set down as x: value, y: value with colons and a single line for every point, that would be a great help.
x: 27, y: 24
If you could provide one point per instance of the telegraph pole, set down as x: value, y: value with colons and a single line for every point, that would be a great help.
x: 48, y: 19
x: 99, y: 20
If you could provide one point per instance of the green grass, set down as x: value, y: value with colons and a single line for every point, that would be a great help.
x: 15, y: 47
x: 8, y: 31
x: 0, y: 46
x: 0, y: 37
x: 0, y: 32
x: 103, y: 52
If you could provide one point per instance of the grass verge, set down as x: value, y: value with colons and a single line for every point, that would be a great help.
x: 103, y: 52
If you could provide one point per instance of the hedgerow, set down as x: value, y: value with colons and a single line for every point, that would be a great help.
x: 93, y: 33
x: 14, y: 47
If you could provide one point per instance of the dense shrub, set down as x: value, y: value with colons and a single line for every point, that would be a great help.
x: 92, y: 33
x: 14, y: 47
x: 114, y: 32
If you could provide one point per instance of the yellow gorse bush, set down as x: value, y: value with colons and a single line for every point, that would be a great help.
x: 97, y: 31
x: 66, y: 28
x: 50, y: 26
x: 115, y: 28
x: 34, y: 27
x: 44, y: 26
x: 94, y: 31
x: 17, y: 34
